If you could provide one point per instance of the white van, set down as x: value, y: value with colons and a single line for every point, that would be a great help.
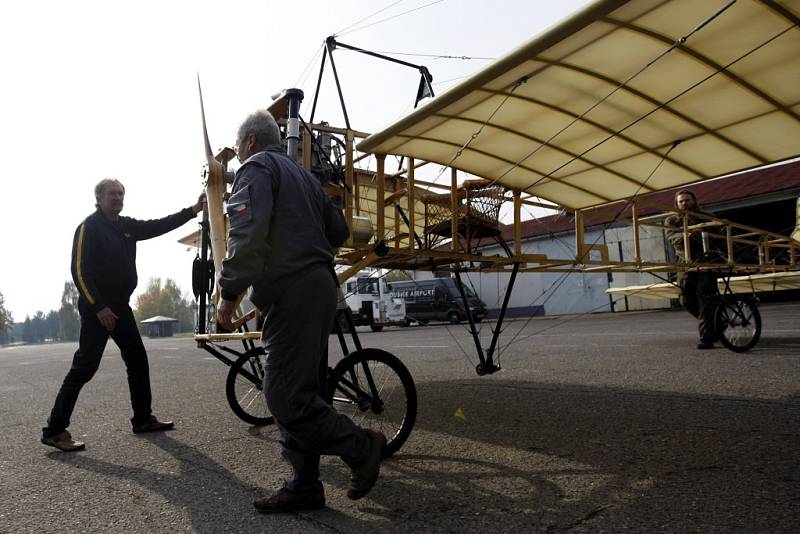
x: 368, y: 297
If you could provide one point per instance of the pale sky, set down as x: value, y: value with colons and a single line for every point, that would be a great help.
x: 95, y: 89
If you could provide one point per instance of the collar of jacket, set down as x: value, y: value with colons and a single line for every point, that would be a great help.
x: 254, y: 157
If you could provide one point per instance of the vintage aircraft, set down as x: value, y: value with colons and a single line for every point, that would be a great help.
x: 624, y: 98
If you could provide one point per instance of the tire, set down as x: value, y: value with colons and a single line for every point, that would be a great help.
x: 453, y: 317
x: 376, y: 327
x: 244, y: 388
x: 738, y: 323
x: 393, y: 411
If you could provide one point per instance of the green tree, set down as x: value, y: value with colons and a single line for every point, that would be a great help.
x: 6, y: 321
x: 38, y: 327
x: 51, y: 326
x: 167, y: 300
x: 68, y: 319
x: 27, y: 330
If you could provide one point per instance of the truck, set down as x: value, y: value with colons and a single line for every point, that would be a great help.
x: 437, y: 299
x: 370, y: 302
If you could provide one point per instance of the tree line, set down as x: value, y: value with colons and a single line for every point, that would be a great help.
x: 63, y: 324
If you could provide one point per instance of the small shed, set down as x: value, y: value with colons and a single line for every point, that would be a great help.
x: 158, y: 326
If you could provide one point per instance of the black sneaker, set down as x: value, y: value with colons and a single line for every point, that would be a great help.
x: 705, y: 345
x: 285, y: 500
x: 153, y: 425
x: 363, y: 476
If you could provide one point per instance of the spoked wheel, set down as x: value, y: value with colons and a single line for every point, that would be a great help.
x: 244, y: 388
x: 738, y: 323
x: 375, y: 390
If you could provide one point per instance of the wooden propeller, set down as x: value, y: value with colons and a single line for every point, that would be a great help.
x: 215, y: 190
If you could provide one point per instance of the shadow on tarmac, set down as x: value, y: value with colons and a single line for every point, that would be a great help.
x: 527, y: 456
x: 619, y: 458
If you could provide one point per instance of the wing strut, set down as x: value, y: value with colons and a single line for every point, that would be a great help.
x: 487, y: 365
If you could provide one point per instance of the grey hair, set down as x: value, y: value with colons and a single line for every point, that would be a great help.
x: 105, y: 182
x: 263, y: 126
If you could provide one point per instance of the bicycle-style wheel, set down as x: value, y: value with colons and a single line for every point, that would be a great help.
x: 738, y: 323
x: 376, y: 391
x: 244, y: 388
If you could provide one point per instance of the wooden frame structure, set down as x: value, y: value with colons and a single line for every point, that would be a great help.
x: 557, y: 120
x: 395, y: 206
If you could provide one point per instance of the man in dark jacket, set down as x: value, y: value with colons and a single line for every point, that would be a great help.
x: 104, y: 271
x: 699, y: 289
x: 283, y: 229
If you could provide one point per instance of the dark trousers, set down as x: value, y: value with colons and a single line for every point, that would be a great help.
x: 699, y: 295
x: 92, y: 343
x: 295, y: 336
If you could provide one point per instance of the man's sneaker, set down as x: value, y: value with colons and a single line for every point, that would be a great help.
x: 285, y: 500
x: 704, y: 345
x: 363, y: 476
x: 64, y: 442
x: 153, y: 425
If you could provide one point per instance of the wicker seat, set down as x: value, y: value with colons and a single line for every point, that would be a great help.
x: 477, y: 212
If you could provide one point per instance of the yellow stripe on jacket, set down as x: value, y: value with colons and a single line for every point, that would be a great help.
x: 78, y: 256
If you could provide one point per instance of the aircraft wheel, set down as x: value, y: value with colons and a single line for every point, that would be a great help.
x: 244, y: 388
x: 376, y: 391
x: 738, y: 323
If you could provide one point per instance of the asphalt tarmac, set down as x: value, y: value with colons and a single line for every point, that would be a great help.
x: 597, y: 423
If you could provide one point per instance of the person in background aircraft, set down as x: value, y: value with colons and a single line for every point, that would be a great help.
x: 699, y: 291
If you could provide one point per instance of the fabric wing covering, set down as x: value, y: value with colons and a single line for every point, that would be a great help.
x: 610, y: 104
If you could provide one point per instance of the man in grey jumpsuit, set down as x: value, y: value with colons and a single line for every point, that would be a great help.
x: 283, y: 229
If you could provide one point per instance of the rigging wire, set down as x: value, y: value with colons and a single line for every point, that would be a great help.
x: 450, y: 80
x: 437, y: 56
x: 389, y: 18
x: 601, y: 232
x: 475, y: 135
x: 368, y: 17
x: 304, y: 75
x: 378, y: 278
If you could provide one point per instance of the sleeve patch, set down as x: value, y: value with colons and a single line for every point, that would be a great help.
x: 240, y: 207
x: 239, y: 213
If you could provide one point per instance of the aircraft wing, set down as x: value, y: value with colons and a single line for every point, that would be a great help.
x: 753, y: 283
x: 621, y: 99
x: 663, y: 290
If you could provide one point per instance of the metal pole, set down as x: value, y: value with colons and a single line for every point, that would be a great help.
x: 484, y: 367
x: 496, y: 334
x: 319, y: 83
x: 331, y: 44
x: 293, y: 97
